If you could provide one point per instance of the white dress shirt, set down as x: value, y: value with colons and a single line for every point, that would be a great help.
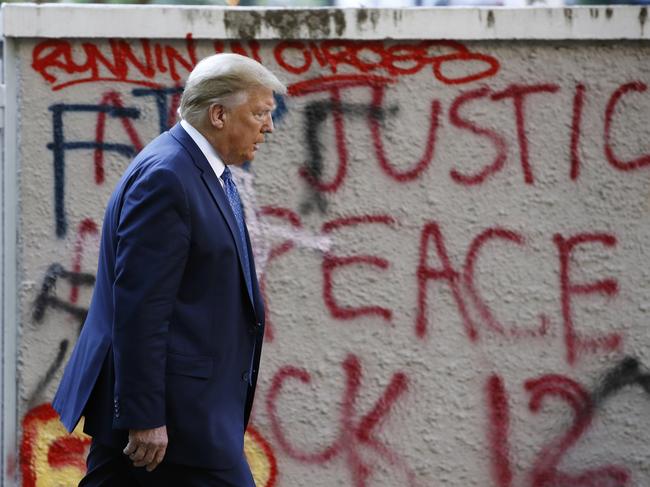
x: 208, y: 151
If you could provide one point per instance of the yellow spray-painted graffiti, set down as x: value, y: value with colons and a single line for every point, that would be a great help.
x: 50, y: 457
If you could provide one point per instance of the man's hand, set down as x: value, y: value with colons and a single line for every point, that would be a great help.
x: 146, y: 448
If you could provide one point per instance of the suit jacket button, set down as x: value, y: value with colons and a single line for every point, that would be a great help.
x: 259, y: 324
x: 244, y: 376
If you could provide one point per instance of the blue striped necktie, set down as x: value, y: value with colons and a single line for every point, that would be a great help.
x: 235, y: 204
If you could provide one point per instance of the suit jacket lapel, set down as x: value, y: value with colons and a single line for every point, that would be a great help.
x: 218, y: 195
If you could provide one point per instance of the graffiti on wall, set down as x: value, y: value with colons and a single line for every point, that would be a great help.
x: 49, y: 456
x: 342, y: 92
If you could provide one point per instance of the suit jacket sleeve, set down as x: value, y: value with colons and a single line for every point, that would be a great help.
x: 153, y: 238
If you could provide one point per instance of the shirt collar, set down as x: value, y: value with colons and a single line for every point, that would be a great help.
x: 206, y: 148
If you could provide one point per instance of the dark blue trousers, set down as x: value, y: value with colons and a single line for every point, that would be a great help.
x: 109, y: 467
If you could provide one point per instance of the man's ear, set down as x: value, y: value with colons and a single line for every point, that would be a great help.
x: 217, y: 115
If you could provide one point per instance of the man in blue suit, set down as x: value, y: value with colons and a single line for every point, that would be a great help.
x: 164, y: 370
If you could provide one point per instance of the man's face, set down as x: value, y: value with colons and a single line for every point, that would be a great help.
x: 245, y: 125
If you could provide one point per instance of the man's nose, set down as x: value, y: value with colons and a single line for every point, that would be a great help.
x: 269, y: 125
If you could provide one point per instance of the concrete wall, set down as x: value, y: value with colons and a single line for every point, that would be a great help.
x: 451, y: 237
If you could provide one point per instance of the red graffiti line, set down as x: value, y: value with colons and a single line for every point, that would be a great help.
x: 174, y: 104
x: 499, y: 431
x: 576, y: 123
x: 53, y: 59
x: 353, y: 435
x: 497, y: 140
x: 62, y: 452
x: 332, y: 263
x: 482, y: 308
x: 329, y: 83
x: 640, y: 161
x: 86, y: 227
x: 294, y: 220
x: 545, y: 471
x: 68, y: 451
x: 518, y: 94
x: 387, y: 167
x: 396, y: 60
x: 268, y: 452
x: 426, y: 273
x: 609, y: 287
x: 112, y: 98
x: 333, y: 85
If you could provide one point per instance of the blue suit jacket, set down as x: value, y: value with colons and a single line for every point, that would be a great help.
x: 172, y: 336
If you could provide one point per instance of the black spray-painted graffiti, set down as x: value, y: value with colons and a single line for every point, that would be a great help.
x: 47, y: 299
x: 316, y: 114
x: 628, y: 372
x: 111, y: 105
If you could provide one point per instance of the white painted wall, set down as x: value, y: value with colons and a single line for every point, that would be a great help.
x: 385, y: 366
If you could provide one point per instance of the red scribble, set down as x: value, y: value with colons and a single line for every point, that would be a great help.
x: 68, y: 451
x: 518, y: 94
x: 425, y: 273
x: 160, y: 64
x: 268, y: 451
x: 337, y: 82
x: 111, y: 98
x: 482, y: 308
x: 356, y: 220
x: 333, y: 85
x: 62, y: 452
x: 492, y: 68
x: 395, y: 60
x: 498, y: 431
x: 576, y: 123
x: 545, y: 471
x: 331, y: 263
x: 86, y: 227
x: 294, y: 220
x: 282, y: 46
x: 387, y: 167
x: 175, y: 102
x: 353, y: 434
x: 640, y: 161
x: 609, y: 287
x: 497, y: 140
x: 339, y: 134
x: 469, y: 267
x: 53, y: 59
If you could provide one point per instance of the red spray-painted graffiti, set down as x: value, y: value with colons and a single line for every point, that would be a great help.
x: 87, y: 227
x: 499, y: 431
x: 545, y: 471
x: 294, y: 220
x: 609, y: 287
x: 395, y: 60
x: 50, y: 457
x: 48, y: 452
x: 481, y: 99
x: 111, y: 98
x: 62, y: 65
x: 641, y: 161
x: 354, y: 434
x: 452, y: 277
x: 331, y: 263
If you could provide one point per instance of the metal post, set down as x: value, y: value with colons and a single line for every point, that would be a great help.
x: 8, y: 291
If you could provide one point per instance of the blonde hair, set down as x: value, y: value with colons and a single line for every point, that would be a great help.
x: 224, y: 79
